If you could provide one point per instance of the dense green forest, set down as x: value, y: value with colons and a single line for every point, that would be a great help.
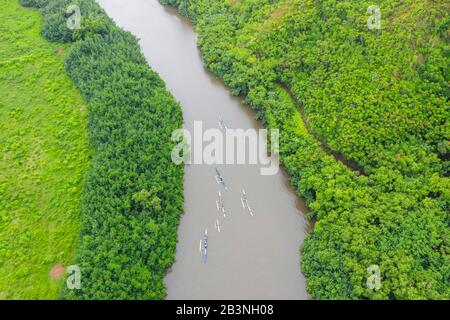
x: 44, y: 156
x: 378, y: 99
x: 133, y: 193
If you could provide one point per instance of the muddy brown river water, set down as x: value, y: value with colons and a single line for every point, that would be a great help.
x: 251, y: 257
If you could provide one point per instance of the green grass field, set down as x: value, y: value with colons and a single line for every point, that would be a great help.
x: 44, y: 153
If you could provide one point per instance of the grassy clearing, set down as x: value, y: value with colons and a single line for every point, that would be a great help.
x: 43, y: 157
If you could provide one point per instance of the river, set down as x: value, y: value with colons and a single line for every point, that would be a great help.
x: 251, y: 257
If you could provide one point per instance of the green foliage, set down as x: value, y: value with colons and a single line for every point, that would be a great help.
x: 147, y: 200
x: 91, y: 26
x: 377, y: 97
x: 44, y: 156
x: 55, y: 13
x: 133, y: 192
x: 33, y: 3
x: 55, y: 29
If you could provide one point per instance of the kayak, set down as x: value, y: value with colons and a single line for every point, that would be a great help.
x: 222, y: 124
x: 205, y: 246
x: 220, y: 179
x: 219, y: 203
x: 245, y: 204
x: 217, y: 225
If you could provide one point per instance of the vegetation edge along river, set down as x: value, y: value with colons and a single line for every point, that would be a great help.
x: 380, y: 98
x: 133, y: 193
